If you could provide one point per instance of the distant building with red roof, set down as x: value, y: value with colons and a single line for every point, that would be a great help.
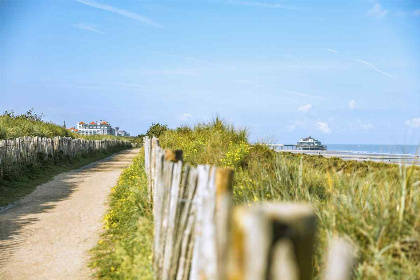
x: 100, y: 127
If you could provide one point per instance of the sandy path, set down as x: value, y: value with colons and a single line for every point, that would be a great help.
x: 48, y: 233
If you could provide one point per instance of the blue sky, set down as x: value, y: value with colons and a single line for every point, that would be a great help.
x: 342, y: 71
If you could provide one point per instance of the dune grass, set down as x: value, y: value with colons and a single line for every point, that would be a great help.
x: 31, y: 124
x: 374, y: 205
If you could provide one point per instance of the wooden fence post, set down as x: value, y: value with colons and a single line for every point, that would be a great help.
x: 198, y: 236
x: 271, y: 241
x: 340, y: 260
x: 22, y: 151
x: 213, y: 203
x: 168, y: 176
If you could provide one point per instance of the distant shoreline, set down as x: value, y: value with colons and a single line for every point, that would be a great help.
x: 375, y: 157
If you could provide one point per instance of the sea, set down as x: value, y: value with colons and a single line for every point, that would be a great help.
x: 375, y: 149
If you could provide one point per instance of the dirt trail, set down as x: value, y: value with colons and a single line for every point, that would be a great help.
x: 48, y: 233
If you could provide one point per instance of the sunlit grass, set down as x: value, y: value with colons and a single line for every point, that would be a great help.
x: 375, y: 205
x: 125, y: 248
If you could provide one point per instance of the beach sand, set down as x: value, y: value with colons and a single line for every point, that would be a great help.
x: 393, y: 159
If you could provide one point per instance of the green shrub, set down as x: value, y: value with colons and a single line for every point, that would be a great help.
x: 156, y: 130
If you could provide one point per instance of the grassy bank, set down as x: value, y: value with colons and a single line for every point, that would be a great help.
x: 372, y: 204
x: 31, y: 124
x: 125, y: 248
x: 23, y: 181
x: 375, y: 205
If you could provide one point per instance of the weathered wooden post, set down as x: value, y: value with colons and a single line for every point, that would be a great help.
x: 167, y: 175
x: 341, y: 260
x: 272, y: 241
x: 213, y: 206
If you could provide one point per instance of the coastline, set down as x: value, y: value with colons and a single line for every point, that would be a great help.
x: 375, y: 157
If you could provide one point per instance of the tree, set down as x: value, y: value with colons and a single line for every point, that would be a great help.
x: 156, y: 129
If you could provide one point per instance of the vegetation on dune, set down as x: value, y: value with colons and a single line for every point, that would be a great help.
x: 125, y: 248
x: 29, y: 124
x: 32, y: 124
x: 20, y: 182
x: 375, y: 205
x: 156, y: 129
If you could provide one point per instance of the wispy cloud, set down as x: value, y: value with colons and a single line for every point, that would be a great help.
x: 331, y: 50
x: 360, y: 125
x: 320, y: 19
x: 190, y: 58
x: 415, y: 13
x: 373, y: 67
x: 377, y: 11
x: 352, y: 105
x: 120, y: 12
x: 277, y: 89
x: 305, y: 108
x: 298, y: 93
x: 180, y: 71
x: 88, y: 27
x: 323, y: 127
x: 265, y: 5
x: 184, y: 117
x: 414, y: 123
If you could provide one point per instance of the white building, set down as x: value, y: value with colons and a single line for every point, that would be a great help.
x: 310, y: 143
x: 101, y: 127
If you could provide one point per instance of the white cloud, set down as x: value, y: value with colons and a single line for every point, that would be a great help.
x: 120, y: 12
x: 361, y: 125
x: 331, y: 50
x: 323, y: 126
x: 377, y: 11
x: 184, y: 117
x: 88, y: 27
x: 305, y: 108
x: 414, y: 123
x: 372, y: 66
x: 352, y: 105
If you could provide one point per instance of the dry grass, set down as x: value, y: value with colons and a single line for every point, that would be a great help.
x: 374, y: 205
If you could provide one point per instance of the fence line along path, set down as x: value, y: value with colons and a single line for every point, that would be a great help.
x: 199, y: 234
x: 29, y: 150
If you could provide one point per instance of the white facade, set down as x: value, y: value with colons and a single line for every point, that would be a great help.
x: 310, y: 143
x: 101, y: 127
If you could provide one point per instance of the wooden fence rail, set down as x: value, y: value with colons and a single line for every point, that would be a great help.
x: 198, y: 234
x: 28, y: 150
